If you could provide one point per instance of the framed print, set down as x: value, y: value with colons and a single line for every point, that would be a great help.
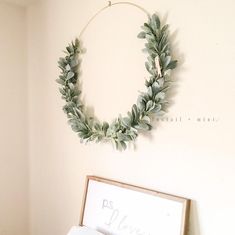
x: 115, y: 208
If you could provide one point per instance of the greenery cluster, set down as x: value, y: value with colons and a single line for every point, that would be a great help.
x: 151, y: 102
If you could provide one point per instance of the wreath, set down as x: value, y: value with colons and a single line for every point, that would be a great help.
x: 150, y: 103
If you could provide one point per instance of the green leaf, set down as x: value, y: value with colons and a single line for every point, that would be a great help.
x: 62, y: 77
x: 160, y: 113
x: 123, y: 145
x: 151, y: 52
x: 60, y: 81
x: 150, y: 38
x: 76, y: 43
x: 126, y: 122
x: 70, y: 75
x: 143, y: 126
x: 121, y: 136
x: 165, y: 48
x: 71, y: 86
x: 149, y: 105
x: 76, y: 92
x: 141, y: 35
x: 167, y: 61
x: 172, y: 64
x: 165, y: 27
x: 146, y: 119
x: 134, y: 112
x: 161, y: 82
x: 68, y: 68
x: 62, y: 61
x: 105, y: 127
x: 141, y: 103
x: 148, y: 67
x: 155, y: 22
x: 158, y: 34
x: 160, y: 96
x: 74, y: 63
x: 132, y: 133
x: 150, y: 46
x: 99, y: 138
x: 155, y: 87
x: 62, y: 91
x: 146, y: 28
x: 150, y: 92
x: 120, y: 145
x: 97, y: 126
x: 157, y: 109
x: 150, y: 59
x: 75, y: 128
x: 81, y: 115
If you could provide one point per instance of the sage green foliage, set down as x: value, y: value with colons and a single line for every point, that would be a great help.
x: 151, y: 102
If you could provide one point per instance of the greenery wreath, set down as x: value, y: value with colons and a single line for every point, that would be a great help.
x: 150, y: 103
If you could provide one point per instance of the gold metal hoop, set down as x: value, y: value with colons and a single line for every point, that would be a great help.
x: 110, y: 4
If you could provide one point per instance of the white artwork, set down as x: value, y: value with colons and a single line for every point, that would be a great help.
x: 114, y: 208
x: 82, y: 230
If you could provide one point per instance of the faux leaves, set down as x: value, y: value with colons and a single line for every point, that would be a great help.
x: 122, y: 130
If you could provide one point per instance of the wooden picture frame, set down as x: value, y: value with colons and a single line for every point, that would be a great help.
x: 115, y: 208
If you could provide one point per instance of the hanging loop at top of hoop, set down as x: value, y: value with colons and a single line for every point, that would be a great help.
x: 109, y: 5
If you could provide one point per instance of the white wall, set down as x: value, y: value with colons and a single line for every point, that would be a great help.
x: 188, y: 158
x: 13, y: 124
x: 19, y: 2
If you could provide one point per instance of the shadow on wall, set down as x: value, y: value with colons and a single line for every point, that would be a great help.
x: 176, y: 55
